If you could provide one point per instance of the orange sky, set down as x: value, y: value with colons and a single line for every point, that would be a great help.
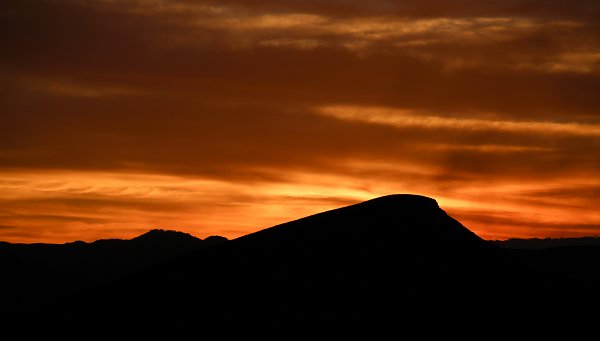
x: 227, y: 117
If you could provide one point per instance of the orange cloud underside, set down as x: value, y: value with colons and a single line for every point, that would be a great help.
x: 61, y: 207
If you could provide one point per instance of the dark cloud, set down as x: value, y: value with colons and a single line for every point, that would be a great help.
x: 573, y: 197
x: 221, y: 145
x: 433, y: 8
x: 161, y: 54
x: 580, y: 192
x: 63, y: 218
x: 93, y: 203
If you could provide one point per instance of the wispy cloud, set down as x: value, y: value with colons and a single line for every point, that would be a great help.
x: 409, y: 119
x: 74, y: 89
x: 423, y: 37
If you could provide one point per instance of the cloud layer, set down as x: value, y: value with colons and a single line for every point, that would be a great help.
x: 226, y: 118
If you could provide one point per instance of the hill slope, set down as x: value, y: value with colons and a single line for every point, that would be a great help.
x: 394, y: 259
x: 397, y: 263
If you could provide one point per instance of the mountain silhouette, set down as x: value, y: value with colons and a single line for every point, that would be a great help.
x: 395, y: 263
x: 543, y: 243
x: 38, y: 274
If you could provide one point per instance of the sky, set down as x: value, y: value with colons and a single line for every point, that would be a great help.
x: 228, y: 117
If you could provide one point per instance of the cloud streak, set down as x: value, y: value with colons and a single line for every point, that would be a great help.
x: 406, y: 119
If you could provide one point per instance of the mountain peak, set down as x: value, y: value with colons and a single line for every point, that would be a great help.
x: 404, y: 201
x: 164, y: 234
x: 406, y: 197
x: 409, y: 219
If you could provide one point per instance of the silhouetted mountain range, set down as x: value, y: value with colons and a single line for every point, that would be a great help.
x: 39, y: 274
x: 397, y: 263
x: 542, y: 243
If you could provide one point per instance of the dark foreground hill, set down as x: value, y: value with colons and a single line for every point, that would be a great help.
x: 397, y: 263
x: 35, y: 275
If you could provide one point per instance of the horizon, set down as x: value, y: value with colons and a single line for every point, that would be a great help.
x: 168, y: 230
x: 212, y: 236
x: 226, y: 118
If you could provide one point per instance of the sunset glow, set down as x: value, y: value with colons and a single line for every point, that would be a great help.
x: 228, y: 117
